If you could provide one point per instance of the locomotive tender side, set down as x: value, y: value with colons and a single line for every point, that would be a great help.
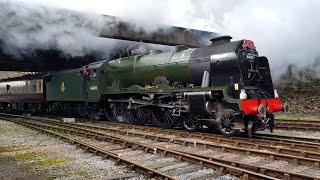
x: 226, y: 86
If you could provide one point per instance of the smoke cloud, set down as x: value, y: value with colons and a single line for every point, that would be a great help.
x: 284, y: 31
x: 25, y: 28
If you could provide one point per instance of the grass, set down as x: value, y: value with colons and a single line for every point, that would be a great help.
x: 48, y: 162
x: 27, y: 156
x: 297, y: 116
x: 7, y: 158
x: 38, y: 163
x: 24, y: 156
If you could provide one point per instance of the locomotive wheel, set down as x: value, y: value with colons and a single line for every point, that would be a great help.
x: 138, y: 116
x: 190, y: 122
x: 164, y: 118
x: 225, y: 121
x: 115, y: 112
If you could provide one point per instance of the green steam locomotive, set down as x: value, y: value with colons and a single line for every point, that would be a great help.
x: 225, y: 86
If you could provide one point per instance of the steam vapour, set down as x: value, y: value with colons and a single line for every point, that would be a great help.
x: 286, y: 32
x: 26, y: 27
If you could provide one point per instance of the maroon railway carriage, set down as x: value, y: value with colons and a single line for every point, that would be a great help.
x: 22, y: 93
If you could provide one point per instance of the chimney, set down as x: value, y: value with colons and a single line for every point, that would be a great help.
x: 220, y: 40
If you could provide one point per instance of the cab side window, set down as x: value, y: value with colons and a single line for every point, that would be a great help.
x: 94, y: 73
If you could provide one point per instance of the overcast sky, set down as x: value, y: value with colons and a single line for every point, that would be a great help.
x: 285, y: 31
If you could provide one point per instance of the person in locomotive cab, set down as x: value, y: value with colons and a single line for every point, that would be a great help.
x: 85, y: 73
x: 82, y: 71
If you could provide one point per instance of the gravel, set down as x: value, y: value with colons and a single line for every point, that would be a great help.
x: 142, y: 157
x: 226, y: 177
x: 198, y: 174
x: 77, y: 165
x: 276, y: 164
x: 158, y: 161
x: 251, y: 159
x: 130, y: 153
x: 300, y: 169
x: 139, y: 178
x: 207, y: 151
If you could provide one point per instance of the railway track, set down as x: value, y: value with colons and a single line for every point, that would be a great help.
x: 196, y: 161
x: 92, y: 131
x: 298, y: 121
x: 299, y: 125
x: 224, y: 144
x: 203, y: 135
x: 285, y: 141
x: 263, y: 139
x: 280, y: 144
x: 281, y: 138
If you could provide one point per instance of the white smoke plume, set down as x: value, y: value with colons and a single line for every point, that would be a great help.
x: 287, y: 32
x: 26, y: 27
x: 284, y: 31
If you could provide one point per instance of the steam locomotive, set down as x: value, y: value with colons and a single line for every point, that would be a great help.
x: 226, y: 87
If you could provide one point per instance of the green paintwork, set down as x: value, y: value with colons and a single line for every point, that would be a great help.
x: 73, y: 83
x: 93, y: 86
x: 76, y: 88
x: 129, y: 71
x: 127, y: 75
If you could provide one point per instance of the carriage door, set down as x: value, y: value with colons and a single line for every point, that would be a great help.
x: 92, y: 86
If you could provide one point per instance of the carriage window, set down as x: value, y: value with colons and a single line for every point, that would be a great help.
x: 40, y: 86
x: 33, y: 86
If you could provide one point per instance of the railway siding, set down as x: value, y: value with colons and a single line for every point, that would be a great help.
x: 197, y: 149
x: 232, y: 145
x: 33, y: 155
x: 98, y: 134
x: 298, y: 125
x: 221, y: 168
